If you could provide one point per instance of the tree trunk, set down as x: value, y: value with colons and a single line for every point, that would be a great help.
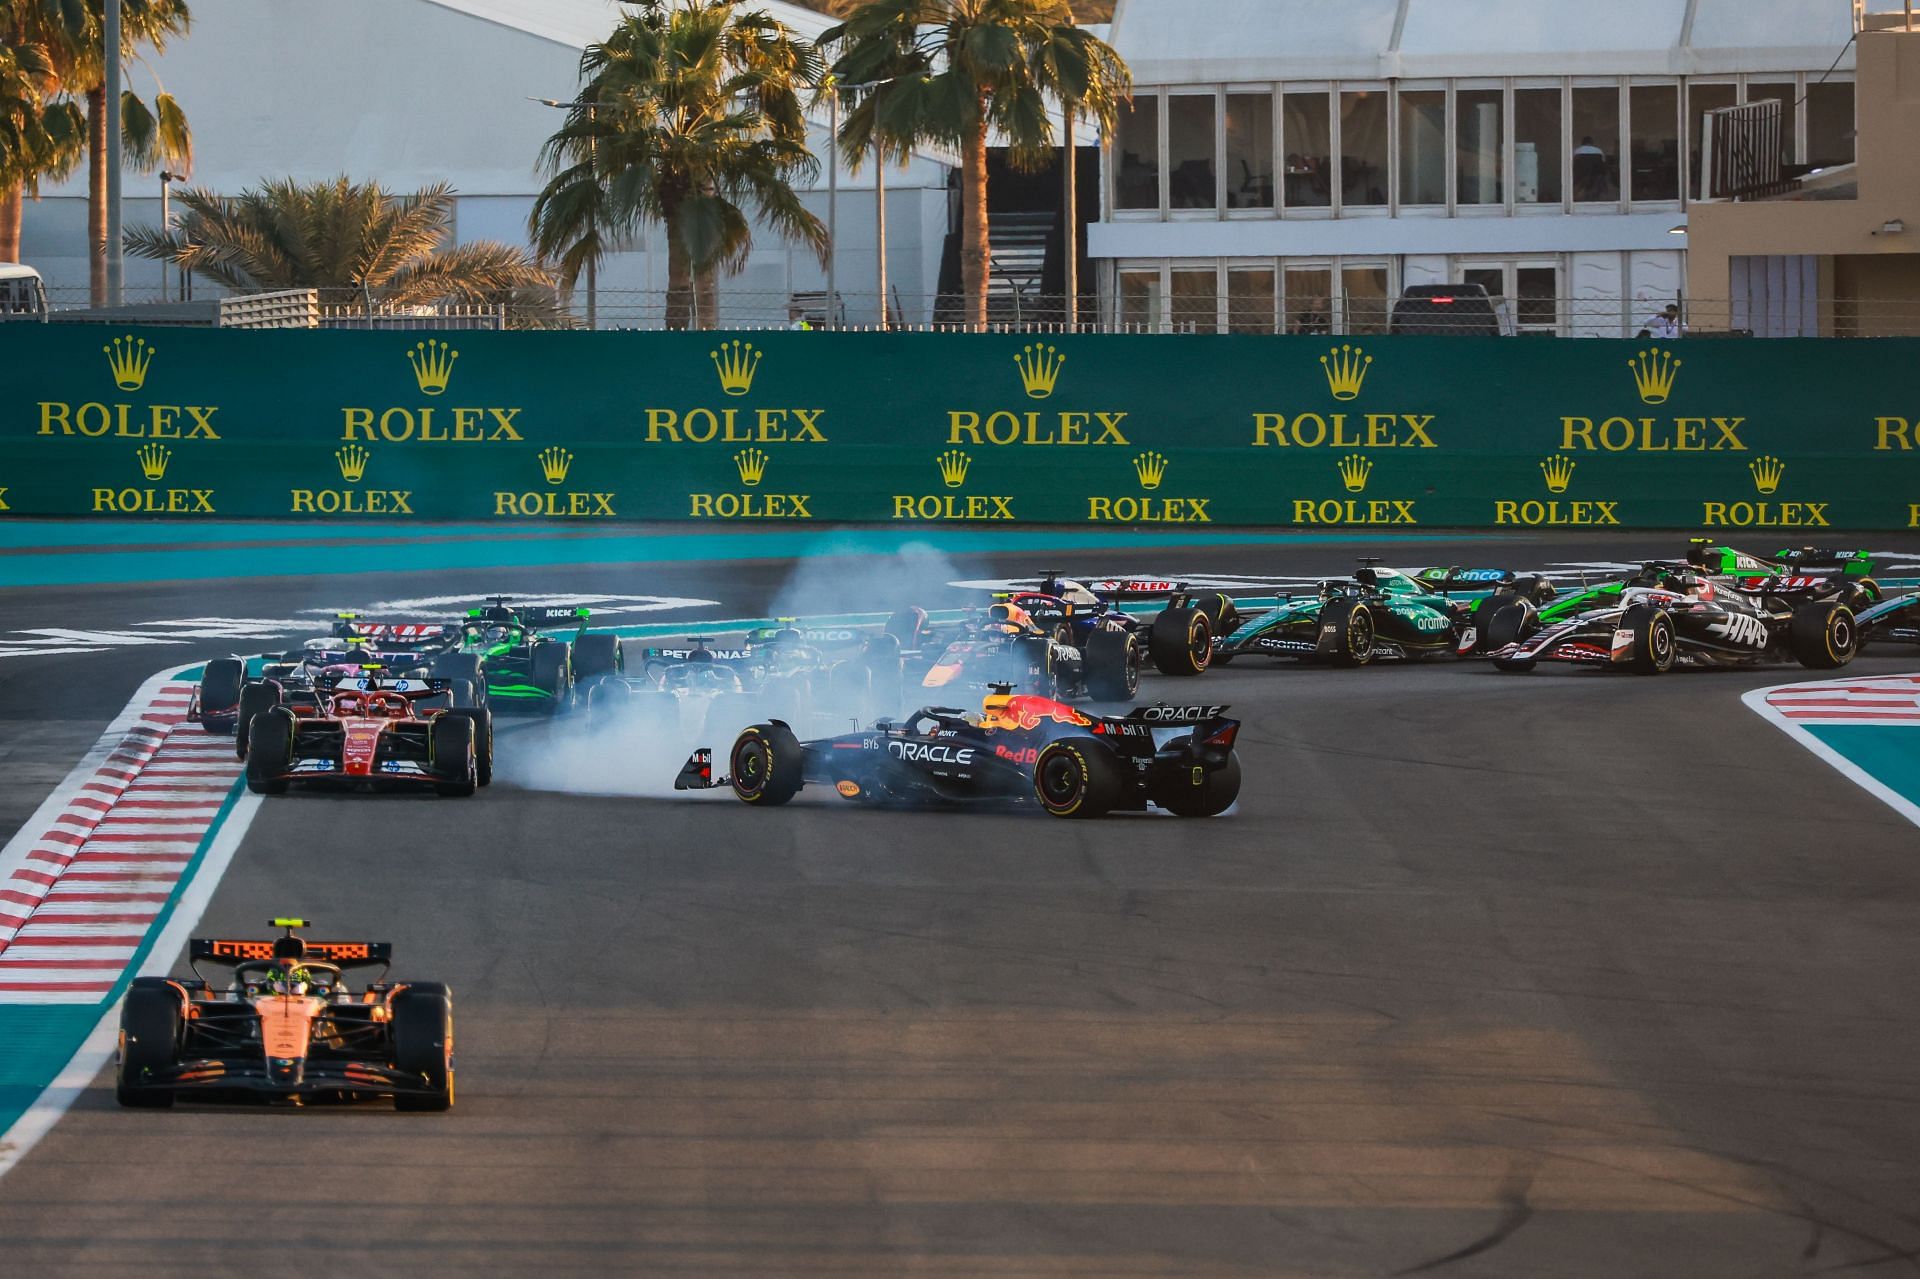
x: 12, y: 199
x: 679, y: 279
x: 975, y: 256
x: 97, y: 194
x: 706, y: 293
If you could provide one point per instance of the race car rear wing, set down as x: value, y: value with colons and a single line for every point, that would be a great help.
x: 347, y: 954
x: 1443, y: 580
x: 544, y: 618
x: 686, y: 654
x: 1161, y: 713
x: 349, y: 626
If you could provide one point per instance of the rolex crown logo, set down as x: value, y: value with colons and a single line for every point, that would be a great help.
x: 555, y: 462
x: 153, y: 460
x: 953, y: 467
x: 737, y: 362
x: 1039, y: 369
x: 432, y: 362
x: 1653, y: 374
x: 1766, y: 473
x: 1151, y: 468
x: 1346, y: 369
x: 353, y: 463
x: 129, y: 357
x: 1558, y: 471
x: 752, y: 464
x: 1354, y: 470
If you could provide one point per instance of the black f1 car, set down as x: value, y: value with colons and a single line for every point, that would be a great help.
x: 1017, y: 750
x: 1670, y: 614
x: 285, y: 1024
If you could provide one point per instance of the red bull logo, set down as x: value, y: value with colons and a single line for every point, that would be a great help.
x: 1029, y: 713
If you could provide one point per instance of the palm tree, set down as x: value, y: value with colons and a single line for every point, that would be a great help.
x: 953, y: 70
x: 358, y: 244
x: 42, y: 134
x: 690, y: 115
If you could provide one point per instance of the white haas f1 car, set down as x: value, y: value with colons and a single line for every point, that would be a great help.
x: 1671, y: 615
x: 286, y: 1025
x: 1019, y: 750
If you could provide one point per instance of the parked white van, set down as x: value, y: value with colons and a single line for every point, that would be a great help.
x: 22, y: 295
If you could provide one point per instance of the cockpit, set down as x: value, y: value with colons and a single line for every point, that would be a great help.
x: 368, y: 705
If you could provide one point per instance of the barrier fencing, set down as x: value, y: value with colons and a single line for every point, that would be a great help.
x: 1791, y: 437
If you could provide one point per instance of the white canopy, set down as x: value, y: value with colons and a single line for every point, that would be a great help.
x: 1207, y: 41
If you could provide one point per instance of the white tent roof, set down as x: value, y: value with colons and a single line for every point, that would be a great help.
x: 1203, y: 41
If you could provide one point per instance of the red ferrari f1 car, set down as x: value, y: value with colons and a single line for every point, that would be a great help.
x: 376, y: 734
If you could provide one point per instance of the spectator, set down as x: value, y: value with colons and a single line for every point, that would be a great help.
x: 1590, y: 171
x: 1666, y: 326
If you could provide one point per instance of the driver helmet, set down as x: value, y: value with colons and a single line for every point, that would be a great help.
x: 1007, y: 619
x: 287, y: 979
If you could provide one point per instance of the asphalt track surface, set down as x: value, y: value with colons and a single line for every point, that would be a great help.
x: 1561, y: 974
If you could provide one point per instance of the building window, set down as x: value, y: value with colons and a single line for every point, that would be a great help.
x: 1423, y: 146
x: 1785, y: 93
x: 1536, y: 146
x: 1250, y: 300
x: 1137, y: 185
x: 1363, y: 148
x: 1249, y: 150
x: 1829, y: 124
x: 1190, y: 183
x: 1655, y: 110
x: 1306, y: 135
x: 1596, y: 150
x: 1477, y: 150
x: 1538, y: 288
x: 1309, y: 300
x: 1196, y: 301
x: 1702, y: 98
x: 1363, y: 295
x: 1140, y: 301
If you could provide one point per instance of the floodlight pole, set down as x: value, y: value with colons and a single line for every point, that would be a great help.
x: 116, y: 294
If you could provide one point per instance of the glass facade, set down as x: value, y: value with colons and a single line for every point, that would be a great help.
x: 1363, y: 148
x: 1249, y: 151
x: 1196, y: 301
x: 1136, y: 181
x: 1537, y: 146
x: 1829, y: 124
x: 1701, y: 99
x: 1307, y: 136
x: 1478, y: 158
x: 1190, y: 152
x: 1655, y: 115
x: 1596, y: 149
x: 1423, y: 146
x: 1251, y: 300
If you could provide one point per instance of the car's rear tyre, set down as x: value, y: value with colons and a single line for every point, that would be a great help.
x: 1180, y: 641
x: 1824, y: 636
x: 463, y: 693
x: 551, y: 672
x: 765, y: 765
x: 150, y: 1025
x: 453, y: 755
x: 270, y: 751
x: 1653, y: 642
x: 255, y: 700
x: 464, y: 666
x: 1221, y: 613
x: 1350, y: 642
x: 220, y: 686
x: 1077, y: 777
x: 596, y: 655
x: 608, y: 702
x: 1113, y: 668
x: 482, y: 720
x: 1508, y: 625
x: 423, y: 1045
x: 908, y: 626
x: 1212, y: 794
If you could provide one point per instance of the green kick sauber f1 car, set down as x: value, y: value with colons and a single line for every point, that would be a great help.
x: 525, y: 669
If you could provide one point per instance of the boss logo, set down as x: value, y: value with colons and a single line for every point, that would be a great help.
x: 922, y: 753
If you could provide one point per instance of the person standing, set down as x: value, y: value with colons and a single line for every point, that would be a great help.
x: 1666, y: 326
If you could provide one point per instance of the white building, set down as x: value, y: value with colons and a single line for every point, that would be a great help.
x: 1292, y: 164
x: 412, y: 92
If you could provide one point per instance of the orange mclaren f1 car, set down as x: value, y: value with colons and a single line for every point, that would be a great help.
x: 286, y: 1025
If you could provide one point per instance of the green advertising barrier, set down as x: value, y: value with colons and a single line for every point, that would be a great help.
x: 1119, y: 430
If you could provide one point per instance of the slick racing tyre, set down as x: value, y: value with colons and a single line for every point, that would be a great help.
x: 462, y: 693
x: 423, y: 1045
x: 1824, y: 636
x: 596, y: 655
x: 270, y: 751
x: 551, y: 672
x: 1180, y: 641
x: 908, y: 626
x: 1508, y: 624
x: 1113, y: 671
x: 220, y: 686
x: 150, y: 1025
x: 607, y: 704
x: 1194, y: 793
x: 453, y: 755
x: 1350, y: 641
x: 1077, y: 777
x: 255, y: 699
x: 1220, y: 611
x: 1480, y: 618
x: 765, y: 765
x: 1653, y: 644
x: 482, y: 720
x: 461, y: 666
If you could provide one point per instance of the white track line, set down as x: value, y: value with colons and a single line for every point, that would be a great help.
x: 1757, y: 701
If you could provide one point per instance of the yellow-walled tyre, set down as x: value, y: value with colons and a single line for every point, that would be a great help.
x: 765, y: 765
x: 1077, y: 777
x: 1824, y: 637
